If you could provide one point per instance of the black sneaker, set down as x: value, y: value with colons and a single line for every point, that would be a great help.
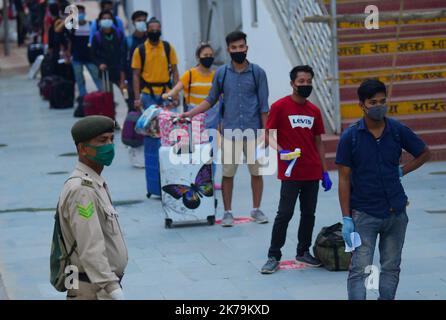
x: 308, y: 259
x: 79, y: 112
x: 271, y: 266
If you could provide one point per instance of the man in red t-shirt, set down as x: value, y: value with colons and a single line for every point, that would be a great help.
x: 299, y: 125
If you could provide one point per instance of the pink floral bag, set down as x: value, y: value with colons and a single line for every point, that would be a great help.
x: 168, y: 125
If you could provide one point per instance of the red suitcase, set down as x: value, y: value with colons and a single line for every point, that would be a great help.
x: 100, y: 102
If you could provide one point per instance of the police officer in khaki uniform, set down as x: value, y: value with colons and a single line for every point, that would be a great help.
x: 88, y: 218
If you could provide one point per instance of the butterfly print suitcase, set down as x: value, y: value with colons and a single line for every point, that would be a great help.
x: 187, y: 185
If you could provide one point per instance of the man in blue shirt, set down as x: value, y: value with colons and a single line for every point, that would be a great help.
x: 372, y: 198
x: 244, y: 110
x: 79, y: 50
x: 137, y: 38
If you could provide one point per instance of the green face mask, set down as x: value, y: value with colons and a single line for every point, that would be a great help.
x: 104, y: 154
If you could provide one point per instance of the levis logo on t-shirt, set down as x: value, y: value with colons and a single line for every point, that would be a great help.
x: 301, y: 121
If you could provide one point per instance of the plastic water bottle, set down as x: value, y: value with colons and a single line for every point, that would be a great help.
x: 125, y: 92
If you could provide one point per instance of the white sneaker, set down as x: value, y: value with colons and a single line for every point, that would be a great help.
x: 259, y: 216
x: 228, y: 220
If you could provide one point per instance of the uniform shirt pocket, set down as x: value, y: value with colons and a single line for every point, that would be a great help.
x: 111, y: 220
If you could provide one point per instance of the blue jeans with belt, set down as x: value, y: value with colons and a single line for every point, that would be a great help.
x: 392, y: 232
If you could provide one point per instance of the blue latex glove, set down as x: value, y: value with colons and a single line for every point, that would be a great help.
x: 285, y: 151
x: 347, y: 228
x: 326, y: 182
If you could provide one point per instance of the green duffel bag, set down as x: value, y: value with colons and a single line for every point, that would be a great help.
x: 330, y: 249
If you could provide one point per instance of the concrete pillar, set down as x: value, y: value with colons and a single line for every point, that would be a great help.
x: 266, y: 48
x: 181, y: 27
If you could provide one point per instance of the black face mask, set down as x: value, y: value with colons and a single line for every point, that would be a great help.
x: 207, y: 62
x: 154, y: 36
x: 238, y: 57
x: 303, y: 91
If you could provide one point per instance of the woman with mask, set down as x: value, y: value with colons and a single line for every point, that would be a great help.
x: 58, y: 42
x: 106, y: 5
x: 242, y: 87
x: 109, y: 49
x: 196, y: 83
x: 54, y: 30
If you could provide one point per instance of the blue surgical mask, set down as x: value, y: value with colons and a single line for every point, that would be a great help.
x: 140, y: 26
x: 106, y: 23
x: 81, y: 17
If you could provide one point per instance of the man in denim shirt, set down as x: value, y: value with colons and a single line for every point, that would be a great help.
x: 372, y: 198
x: 244, y: 87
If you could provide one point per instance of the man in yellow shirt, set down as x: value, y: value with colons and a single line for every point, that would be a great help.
x: 154, y: 65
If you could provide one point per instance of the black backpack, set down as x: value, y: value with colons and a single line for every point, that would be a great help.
x: 62, y: 93
x: 142, y: 54
x: 60, y: 256
x: 47, y: 66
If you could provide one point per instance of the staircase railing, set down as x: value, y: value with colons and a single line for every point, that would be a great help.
x: 312, y: 45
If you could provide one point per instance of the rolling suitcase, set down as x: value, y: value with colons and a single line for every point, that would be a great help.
x: 47, y: 66
x: 61, y: 93
x: 187, y: 183
x: 129, y: 136
x: 45, y: 87
x: 34, y: 50
x: 100, y: 102
x: 152, y: 166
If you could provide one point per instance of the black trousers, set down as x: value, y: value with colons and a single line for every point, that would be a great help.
x: 21, y: 28
x: 131, y: 99
x: 307, y: 192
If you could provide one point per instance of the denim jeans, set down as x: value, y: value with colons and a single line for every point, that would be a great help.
x: 78, y: 68
x: 307, y: 191
x: 392, y: 232
x: 147, y: 100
